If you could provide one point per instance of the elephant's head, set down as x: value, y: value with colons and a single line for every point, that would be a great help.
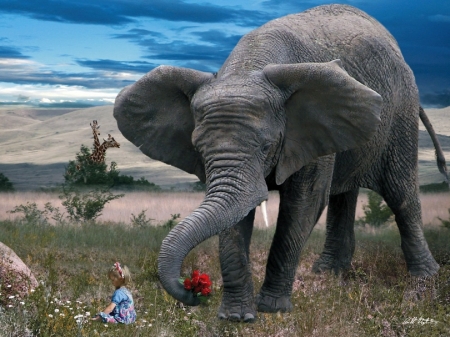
x: 232, y: 131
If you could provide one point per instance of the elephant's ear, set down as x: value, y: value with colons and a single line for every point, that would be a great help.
x: 327, y: 111
x: 154, y: 114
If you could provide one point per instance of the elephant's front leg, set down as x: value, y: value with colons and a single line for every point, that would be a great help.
x: 302, y: 200
x: 238, y: 299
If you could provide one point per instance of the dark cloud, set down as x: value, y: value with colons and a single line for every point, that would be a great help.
x: 422, y: 30
x: 118, y: 12
x: 23, y: 98
x: 11, y: 53
x: 140, y: 67
x: 206, y: 50
x: 436, y: 99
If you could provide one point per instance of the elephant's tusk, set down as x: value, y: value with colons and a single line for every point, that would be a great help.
x: 264, y: 212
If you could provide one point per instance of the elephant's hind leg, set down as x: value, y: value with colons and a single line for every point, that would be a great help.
x: 340, y: 238
x: 405, y: 204
x: 238, y: 299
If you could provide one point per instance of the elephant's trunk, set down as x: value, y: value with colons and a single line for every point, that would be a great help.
x: 225, y: 205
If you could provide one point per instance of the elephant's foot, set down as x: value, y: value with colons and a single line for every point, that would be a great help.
x: 237, y: 308
x: 270, y: 303
x: 329, y: 263
x: 427, y: 266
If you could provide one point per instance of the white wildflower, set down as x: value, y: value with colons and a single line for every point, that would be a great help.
x: 22, y: 303
x: 11, y: 297
x: 50, y: 315
x: 8, y: 286
x: 56, y: 310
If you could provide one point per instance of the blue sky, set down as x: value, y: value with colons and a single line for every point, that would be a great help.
x: 79, y: 53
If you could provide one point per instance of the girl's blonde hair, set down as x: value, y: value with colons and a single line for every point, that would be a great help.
x: 121, y: 272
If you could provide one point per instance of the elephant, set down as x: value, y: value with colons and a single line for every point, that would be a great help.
x: 313, y: 105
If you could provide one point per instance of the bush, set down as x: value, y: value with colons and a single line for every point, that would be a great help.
x: 83, y: 171
x: 169, y: 224
x: 140, y: 220
x: 446, y: 223
x: 5, y: 184
x: 198, y: 186
x: 31, y: 213
x: 87, y: 206
x: 435, y: 188
x: 376, y: 212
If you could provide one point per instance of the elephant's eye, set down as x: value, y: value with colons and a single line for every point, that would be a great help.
x: 266, y: 147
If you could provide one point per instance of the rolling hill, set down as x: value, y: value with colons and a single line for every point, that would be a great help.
x: 36, y: 144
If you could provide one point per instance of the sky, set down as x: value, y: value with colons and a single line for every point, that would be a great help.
x: 81, y: 53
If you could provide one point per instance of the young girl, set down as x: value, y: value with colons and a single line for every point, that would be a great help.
x: 121, y: 308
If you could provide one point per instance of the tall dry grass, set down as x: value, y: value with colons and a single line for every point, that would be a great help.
x: 160, y: 206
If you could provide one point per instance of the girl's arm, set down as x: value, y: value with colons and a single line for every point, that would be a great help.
x: 109, y: 308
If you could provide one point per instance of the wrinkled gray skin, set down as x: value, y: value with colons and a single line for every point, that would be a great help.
x: 273, y: 118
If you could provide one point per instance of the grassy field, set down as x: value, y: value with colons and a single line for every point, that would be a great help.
x: 376, y: 297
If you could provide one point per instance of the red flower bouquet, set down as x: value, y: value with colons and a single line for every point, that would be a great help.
x: 199, y: 284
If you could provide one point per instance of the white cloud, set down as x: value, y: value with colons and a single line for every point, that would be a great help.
x: 48, y: 94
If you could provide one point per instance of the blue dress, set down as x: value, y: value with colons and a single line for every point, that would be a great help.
x: 124, y: 311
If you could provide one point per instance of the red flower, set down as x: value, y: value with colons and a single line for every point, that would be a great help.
x: 206, y: 291
x: 194, y: 281
x: 187, y: 284
x: 199, y: 284
x: 204, y: 280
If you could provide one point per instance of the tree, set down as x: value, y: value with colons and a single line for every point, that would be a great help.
x: 5, y: 184
x: 84, y: 171
x: 376, y: 212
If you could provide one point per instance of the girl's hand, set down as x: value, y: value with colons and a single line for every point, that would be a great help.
x: 96, y: 318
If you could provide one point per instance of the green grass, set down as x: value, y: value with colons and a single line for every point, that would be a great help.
x: 70, y: 261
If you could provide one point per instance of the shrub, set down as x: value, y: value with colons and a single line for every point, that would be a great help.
x: 5, y: 184
x: 435, y: 188
x: 83, y: 171
x: 86, y: 206
x: 128, y: 182
x: 376, y: 212
x: 169, y: 224
x: 140, y: 220
x: 31, y: 213
x: 198, y: 186
x: 446, y: 223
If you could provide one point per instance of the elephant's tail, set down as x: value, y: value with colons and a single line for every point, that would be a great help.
x: 440, y: 159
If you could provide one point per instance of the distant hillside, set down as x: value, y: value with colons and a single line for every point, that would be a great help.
x: 36, y: 144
